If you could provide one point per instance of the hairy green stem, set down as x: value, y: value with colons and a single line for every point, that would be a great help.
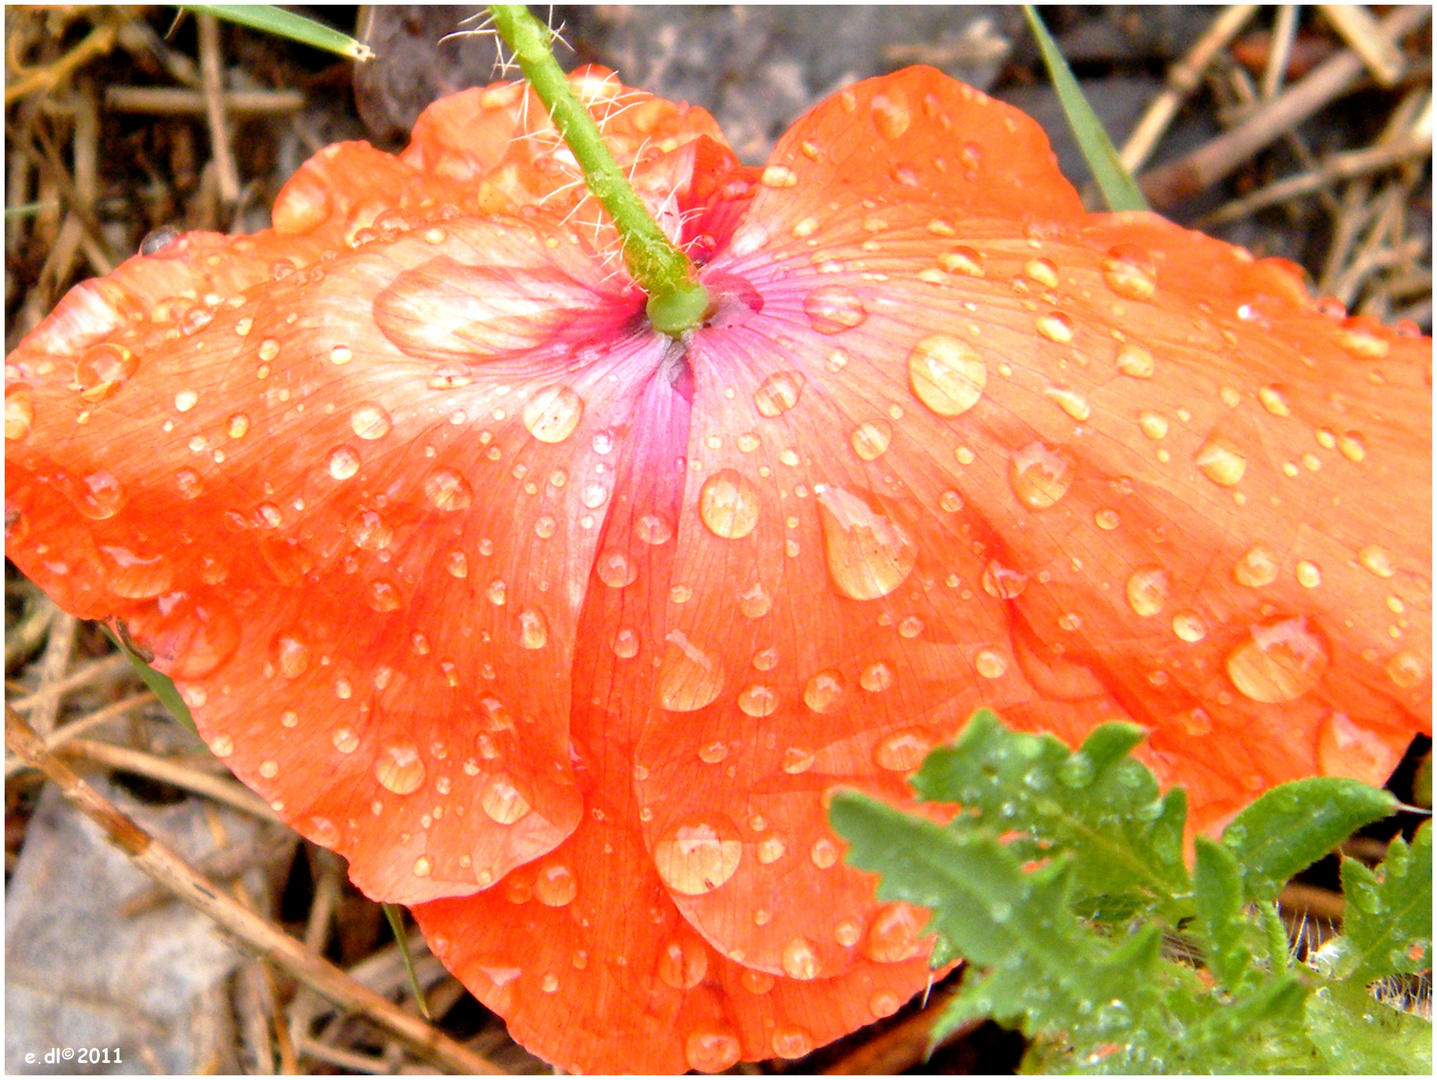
x: 677, y: 302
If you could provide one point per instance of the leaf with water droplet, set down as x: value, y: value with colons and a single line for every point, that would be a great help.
x: 1397, y: 920
x: 1277, y: 836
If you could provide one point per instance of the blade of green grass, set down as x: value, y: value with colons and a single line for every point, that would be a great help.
x: 287, y: 24
x: 396, y: 927
x: 162, y: 686
x: 1117, y: 187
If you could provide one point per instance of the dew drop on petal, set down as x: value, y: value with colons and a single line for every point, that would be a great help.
x: 1070, y: 401
x: 778, y: 393
x: 625, y: 644
x: 291, y: 655
x: 457, y: 564
x: 1040, y: 475
x: 884, y: 1003
x: 1130, y: 273
x: 698, y: 855
x: 343, y: 463
x: 1056, y: 327
x: 868, y: 554
x: 894, y: 934
x: 102, y: 370
x: 712, y: 1051
x: 653, y: 529
x: 754, y: 602
x: 963, y: 261
x: 447, y: 490
x: 615, y: 568
x: 1189, y: 627
x: 555, y: 885
x: 834, y: 309
x: 688, y: 678
x: 683, y: 962
x: 369, y: 531
x: 1135, y: 362
x: 504, y: 799
x: 758, y: 700
x: 383, y: 596
x: 946, y: 374
x: 876, y: 677
x: 533, y: 629
x: 791, y: 1042
x: 1002, y: 582
x: 398, y: 769
x: 824, y: 692
x: 1308, y: 574
x: 770, y: 849
x: 824, y: 853
x: 1274, y: 400
x: 345, y: 740
x: 1043, y: 271
x: 990, y: 663
x: 19, y: 413
x: 323, y: 832
x: 1406, y: 669
x: 1220, y: 461
x: 796, y: 759
x: 222, y: 746
x: 903, y: 751
x: 871, y: 438
x: 1376, y: 559
x: 553, y: 413
x: 369, y: 421
x: 799, y: 960
x: 891, y: 116
x: 728, y: 504
x: 1257, y: 567
x: 1147, y: 590
x: 1281, y: 660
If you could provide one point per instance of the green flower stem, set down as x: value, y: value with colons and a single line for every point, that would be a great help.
x: 676, y: 301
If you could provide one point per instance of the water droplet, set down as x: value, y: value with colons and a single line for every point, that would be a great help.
x: 102, y: 370
x: 884, y: 1003
x: 754, y: 602
x: 1107, y: 520
x: 1148, y: 590
x: 946, y: 374
x: 545, y: 526
x: 1153, y: 425
x: 626, y: 644
x: 778, y: 393
x: 594, y: 495
x: 1189, y: 627
x: 1281, y: 660
x: 791, y: 1042
x: 457, y: 564
x: 1376, y: 559
x: 423, y: 866
x: 553, y: 413
x: 824, y: 692
x: 369, y: 531
x: 868, y: 554
x: 990, y: 663
x: 891, y: 116
x: 1040, y: 475
x: 1361, y: 343
x: 1056, y: 327
x: 1071, y: 402
x: 1256, y: 568
x: 689, y: 678
x: 683, y: 962
x: 1220, y: 461
x: 98, y: 496
x: 533, y: 629
x: 383, y: 596
x: 834, y: 309
x: 796, y: 759
x: 712, y: 1051
x: 698, y: 855
x: 369, y: 421
x: 824, y: 853
x: 799, y: 960
x: 1352, y: 445
x: 893, y: 935
x: 728, y: 504
x: 1130, y: 272
x: 1003, y: 583
x: 757, y: 700
x: 950, y: 502
x: 963, y: 261
x: 555, y: 885
x: 323, y: 832
x: 397, y: 768
x: 504, y: 799
x: 222, y: 746
x: 653, y: 529
x: 778, y: 176
x: 1135, y: 361
x: 343, y: 463
x: 910, y: 626
x: 1274, y: 400
x: 1406, y: 669
x: 876, y: 677
x: 1308, y: 574
x: 291, y: 655
x: 871, y: 438
x: 1043, y: 272
x: 345, y: 740
x: 19, y: 413
x: 447, y: 490
x: 714, y: 752
x: 902, y: 751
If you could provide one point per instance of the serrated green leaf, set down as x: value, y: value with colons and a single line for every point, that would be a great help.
x: 1097, y: 800
x: 1217, y: 895
x: 286, y: 24
x: 1118, y: 189
x: 1047, y: 968
x: 162, y: 686
x: 1388, y: 926
x: 1292, y: 826
x: 1356, y: 1036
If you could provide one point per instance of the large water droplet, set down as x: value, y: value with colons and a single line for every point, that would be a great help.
x: 1281, y: 660
x: 868, y: 554
x: 447, y: 490
x: 553, y: 413
x: 290, y: 654
x: 1135, y: 362
x: 946, y: 374
x: 754, y: 602
x: 343, y: 463
x: 799, y: 960
x: 533, y: 629
x: 369, y: 531
x: 876, y: 677
x: 1220, y: 461
x: 871, y: 438
x: 615, y: 568
x: 683, y: 962
x: 689, y: 677
x: 891, y: 115
x: 369, y: 421
x: 103, y: 369
x: 824, y: 692
x: 1130, y: 272
x: 555, y: 885
x: 758, y: 700
x: 833, y: 309
x: 778, y: 393
x: 712, y: 1051
x: 1148, y: 590
x: 1257, y: 567
x: 1406, y: 669
x: 903, y: 751
x: 728, y: 504
x: 791, y: 1042
x: 653, y: 529
x: 1002, y: 582
x: 894, y: 934
x: 1376, y: 559
x: 698, y: 855
x: 504, y: 798
x: 1040, y: 475
x: 399, y: 769
x: 19, y: 413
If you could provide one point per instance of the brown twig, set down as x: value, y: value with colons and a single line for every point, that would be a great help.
x: 1173, y: 183
x: 62, y: 636
x: 1360, y: 30
x: 1284, y: 33
x: 176, y: 101
x: 255, y: 933
x: 100, y: 41
x: 44, y: 705
x: 213, y: 75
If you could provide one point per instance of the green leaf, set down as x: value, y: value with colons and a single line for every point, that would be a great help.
x: 1387, y: 929
x: 1355, y: 1036
x: 1098, y: 801
x: 286, y: 24
x: 162, y: 686
x: 1292, y: 826
x: 1217, y: 890
x: 1118, y: 189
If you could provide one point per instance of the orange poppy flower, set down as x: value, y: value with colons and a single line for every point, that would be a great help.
x: 561, y: 630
